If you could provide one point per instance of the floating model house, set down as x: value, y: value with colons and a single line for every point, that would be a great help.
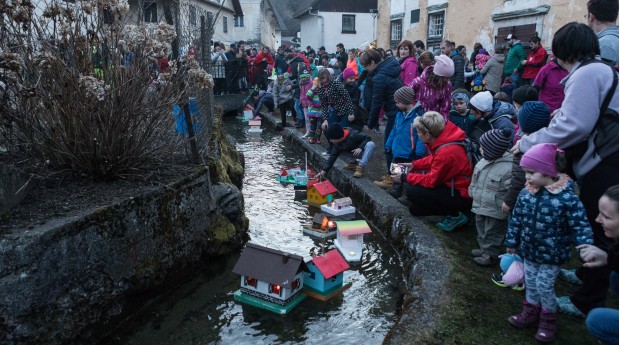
x: 350, y: 239
x: 339, y: 207
x: 270, y: 279
x: 295, y: 176
x: 254, y: 126
x: 321, y: 227
x: 325, y: 278
x: 321, y: 193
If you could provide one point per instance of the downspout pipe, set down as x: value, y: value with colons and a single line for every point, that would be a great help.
x: 322, y: 40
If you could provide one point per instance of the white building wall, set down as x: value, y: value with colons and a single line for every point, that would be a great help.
x: 311, y: 32
x: 252, y: 18
x: 334, y: 35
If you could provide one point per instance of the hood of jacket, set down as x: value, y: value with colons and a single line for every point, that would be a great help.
x: 500, y: 58
x: 500, y: 108
x: 515, y: 43
x: 389, y: 67
x: 449, y: 134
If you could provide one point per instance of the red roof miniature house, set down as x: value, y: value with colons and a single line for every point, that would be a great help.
x: 321, y: 193
x: 325, y: 278
x: 270, y: 279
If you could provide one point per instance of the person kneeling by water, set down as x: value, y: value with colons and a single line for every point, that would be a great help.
x: 348, y: 140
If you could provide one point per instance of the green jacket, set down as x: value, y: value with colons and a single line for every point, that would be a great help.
x: 515, y: 55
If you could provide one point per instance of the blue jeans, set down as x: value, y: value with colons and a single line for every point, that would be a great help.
x: 516, y: 79
x: 369, y: 150
x: 603, y: 325
x: 299, y: 110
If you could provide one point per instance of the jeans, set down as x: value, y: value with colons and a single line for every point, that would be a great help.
x: 516, y: 79
x: 299, y: 110
x: 603, y: 325
x: 369, y: 150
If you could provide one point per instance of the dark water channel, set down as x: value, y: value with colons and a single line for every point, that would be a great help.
x: 203, y: 310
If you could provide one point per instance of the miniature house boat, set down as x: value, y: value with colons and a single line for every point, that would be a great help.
x: 321, y: 193
x: 270, y: 279
x: 321, y: 227
x: 339, y: 207
x: 350, y: 239
x: 254, y: 126
x: 326, y: 277
x: 295, y: 176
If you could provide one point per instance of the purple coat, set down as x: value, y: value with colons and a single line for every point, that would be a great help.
x: 432, y: 99
x: 408, y: 69
x: 548, y: 78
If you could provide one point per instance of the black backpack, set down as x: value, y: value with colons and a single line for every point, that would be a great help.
x: 472, y: 150
x: 604, y: 136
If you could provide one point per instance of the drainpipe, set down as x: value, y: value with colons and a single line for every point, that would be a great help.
x: 322, y: 25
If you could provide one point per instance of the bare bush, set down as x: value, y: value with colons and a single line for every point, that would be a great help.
x: 82, y: 95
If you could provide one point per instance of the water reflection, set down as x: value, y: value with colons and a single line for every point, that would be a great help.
x: 203, y: 311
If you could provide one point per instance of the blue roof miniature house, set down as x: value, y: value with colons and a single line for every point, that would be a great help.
x: 270, y: 279
x: 325, y: 278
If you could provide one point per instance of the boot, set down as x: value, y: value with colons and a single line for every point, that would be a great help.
x: 359, y: 171
x: 527, y: 317
x: 385, y: 182
x: 317, y: 136
x: 547, y: 327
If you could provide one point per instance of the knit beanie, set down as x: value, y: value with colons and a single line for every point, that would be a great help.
x: 533, y: 116
x: 494, y: 143
x: 483, y: 101
x: 404, y: 95
x: 304, y: 74
x: 541, y: 158
x: 460, y: 95
x: 334, y: 131
x: 524, y: 94
x: 444, y: 66
x: 348, y: 73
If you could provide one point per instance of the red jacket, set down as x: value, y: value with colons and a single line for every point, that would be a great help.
x: 535, y: 61
x: 444, y: 164
x: 258, y: 60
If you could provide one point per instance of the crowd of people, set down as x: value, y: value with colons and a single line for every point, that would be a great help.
x: 526, y: 146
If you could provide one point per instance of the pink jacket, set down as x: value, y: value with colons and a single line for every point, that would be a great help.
x: 303, y: 91
x: 430, y: 98
x: 409, y: 69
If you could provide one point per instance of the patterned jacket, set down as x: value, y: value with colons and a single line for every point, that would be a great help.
x: 547, y: 222
x: 432, y: 99
x: 334, y: 95
x: 314, y: 109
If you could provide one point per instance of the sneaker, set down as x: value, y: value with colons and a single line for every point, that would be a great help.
x: 327, y: 152
x: 570, y: 276
x: 496, y: 278
x: 450, y: 224
x: 476, y: 252
x: 311, y: 140
x: 566, y: 306
x: 307, y: 134
x: 350, y: 166
x: 359, y: 171
x: 317, y: 140
x: 485, y: 260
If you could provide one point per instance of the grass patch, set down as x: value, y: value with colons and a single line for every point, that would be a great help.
x: 477, y: 309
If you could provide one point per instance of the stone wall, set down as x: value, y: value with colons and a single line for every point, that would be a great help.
x: 72, y: 279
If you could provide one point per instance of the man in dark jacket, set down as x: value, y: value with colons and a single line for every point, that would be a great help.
x: 458, y: 79
x: 348, y: 140
x: 296, y: 64
x: 281, y: 65
x: 231, y: 68
x: 341, y: 56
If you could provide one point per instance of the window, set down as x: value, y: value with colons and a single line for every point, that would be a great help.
x: 312, y: 275
x: 192, y: 15
x: 209, y: 17
x: 150, y: 11
x: 225, y: 23
x: 348, y: 23
x: 396, y: 32
x: 249, y: 281
x: 238, y: 21
x: 415, y: 16
x: 108, y: 17
x: 275, y: 289
x: 435, y: 24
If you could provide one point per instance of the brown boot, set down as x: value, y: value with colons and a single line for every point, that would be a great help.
x: 547, y: 327
x: 359, y: 171
x: 385, y: 182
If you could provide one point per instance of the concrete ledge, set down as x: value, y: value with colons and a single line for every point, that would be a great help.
x: 421, y: 253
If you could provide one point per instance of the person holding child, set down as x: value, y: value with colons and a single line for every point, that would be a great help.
x: 547, y: 221
x: 437, y: 184
x: 489, y: 184
x: 403, y: 144
x: 345, y: 139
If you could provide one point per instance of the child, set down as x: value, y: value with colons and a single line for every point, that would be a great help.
x: 489, y: 184
x: 507, y: 86
x: 314, y: 113
x: 490, y: 114
x: 348, y: 140
x: 548, y: 220
x: 350, y: 84
x: 521, y: 95
x: 459, y: 115
x: 258, y: 98
x: 433, y: 86
x: 304, y: 86
x: 283, y: 96
x: 403, y: 144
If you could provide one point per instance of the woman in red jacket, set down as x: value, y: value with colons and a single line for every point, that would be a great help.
x: 536, y: 59
x: 438, y: 183
x: 262, y: 61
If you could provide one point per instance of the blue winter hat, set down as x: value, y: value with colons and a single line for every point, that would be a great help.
x: 533, y: 116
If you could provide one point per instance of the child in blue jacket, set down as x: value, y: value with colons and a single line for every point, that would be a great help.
x: 403, y: 143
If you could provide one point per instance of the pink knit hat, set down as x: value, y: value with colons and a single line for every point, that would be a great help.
x: 348, y: 73
x: 541, y: 158
x: 444, y: 66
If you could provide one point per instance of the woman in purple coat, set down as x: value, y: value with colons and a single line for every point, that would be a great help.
x: 408, y: 62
